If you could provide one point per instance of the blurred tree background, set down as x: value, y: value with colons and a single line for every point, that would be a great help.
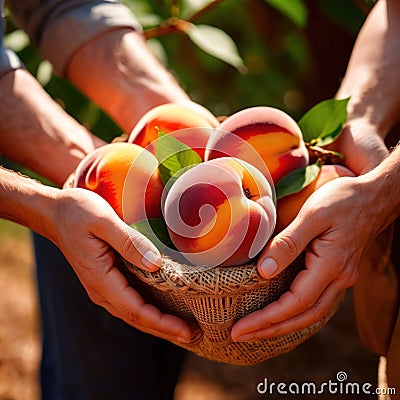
x: 229, y: 54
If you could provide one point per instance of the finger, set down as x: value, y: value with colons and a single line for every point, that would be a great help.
x: 306, y: 319
x: 131, y: 245
x: 112, y: 291
x: 147, y: 329
x: 304, y: 292
x: 285, y: 247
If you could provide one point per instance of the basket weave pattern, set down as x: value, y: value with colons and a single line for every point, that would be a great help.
x: 212, y: 301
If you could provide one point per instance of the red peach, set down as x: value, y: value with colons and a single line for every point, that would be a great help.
x: 220, y: 212
x: 272, y: 133
x: 172, y: 118
x: 289, y: 206
x: 126, y: 175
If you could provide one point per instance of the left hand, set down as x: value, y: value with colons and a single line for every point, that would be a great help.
x: 333, y: 227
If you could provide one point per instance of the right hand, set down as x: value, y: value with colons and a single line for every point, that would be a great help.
x: 88, y: 232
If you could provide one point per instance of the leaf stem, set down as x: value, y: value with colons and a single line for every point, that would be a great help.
x: 167, y: 27
x: 324, y: 156
x: 204, y: 10
x: 176, y: 25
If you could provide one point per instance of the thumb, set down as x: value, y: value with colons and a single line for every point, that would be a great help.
x: 285, y: 247
x: 132, y: 245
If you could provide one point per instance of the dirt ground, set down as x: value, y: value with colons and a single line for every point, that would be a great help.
x: 335, y: 349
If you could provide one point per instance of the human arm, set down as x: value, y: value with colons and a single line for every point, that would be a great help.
x: 338, y: 221
x: 353, y: 212
x: 371, y: 82
x: 103, y: 53
x: 88, y: 231
x: 136, y: 81
x: 38, y: 133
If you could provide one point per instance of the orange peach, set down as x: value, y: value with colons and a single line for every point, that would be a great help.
x: 289, y: 206
x: 127, y: 176
x: 272, y: 133
x: 172, y: 118
x: 220, y: 212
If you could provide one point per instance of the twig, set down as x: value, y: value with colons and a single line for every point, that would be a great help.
x: 177, y: 25
x: 323, y: 155
x: 167, y: 27
x: 204, y: 10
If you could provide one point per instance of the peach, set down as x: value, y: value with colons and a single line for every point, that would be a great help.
x: 127, y: 176
x: 220, y: 212
x: 272, y: 133
x: 289, y: 206
x: 176, y: 119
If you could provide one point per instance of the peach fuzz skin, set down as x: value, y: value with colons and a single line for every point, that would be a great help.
x: 220, y: 212
x: 289, y: 206
x: 176, y: 119
x: 126, y: 175
x: 270, y: 132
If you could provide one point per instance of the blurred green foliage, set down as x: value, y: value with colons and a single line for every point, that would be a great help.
x: 283, y: 53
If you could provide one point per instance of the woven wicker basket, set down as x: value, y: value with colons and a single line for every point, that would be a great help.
x: 213, y: 300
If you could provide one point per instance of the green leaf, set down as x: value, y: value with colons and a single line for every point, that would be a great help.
x: 324, y: 122
x: 297, y: 180
x: 295, y: 10
x: 190, y: 7
x: 174, y: 157
x: 16, y: 40
x: 217, y: 43
x: 155, y: 229
x: 44, y: 72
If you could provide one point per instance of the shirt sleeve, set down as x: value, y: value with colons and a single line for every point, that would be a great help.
x: 59, y: 28
x: 8, y: 59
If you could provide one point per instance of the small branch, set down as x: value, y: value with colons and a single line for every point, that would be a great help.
x: 177, y: 25
x: 204, y: 10
x: 323, y: 155
x: 167, y: 27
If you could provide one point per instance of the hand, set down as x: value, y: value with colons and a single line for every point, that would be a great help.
x: 362, y: 146
x: 333, y: 227
x: 88, y: 231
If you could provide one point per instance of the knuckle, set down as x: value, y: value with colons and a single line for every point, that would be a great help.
x: 286, y: 244
x: 318, y: 314
x: 130, y: 316
x: 348, y: 278
x: 134, y: 241
x: 96, y: 298
x: 304, y: 301
x: 126, y: 244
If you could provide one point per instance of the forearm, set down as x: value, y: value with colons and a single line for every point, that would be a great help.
x: 372, y: 79
x: 135, y: 80
x: 37, y: 132
x: 384, y: 181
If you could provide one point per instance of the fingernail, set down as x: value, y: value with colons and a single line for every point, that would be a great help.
x: 268, y: 267
x: 151, y: 260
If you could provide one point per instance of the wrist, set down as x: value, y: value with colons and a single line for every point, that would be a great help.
x: 362, y: 146
x: 26, y: 202
x: 383, y: 184
x: 136, y: 81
